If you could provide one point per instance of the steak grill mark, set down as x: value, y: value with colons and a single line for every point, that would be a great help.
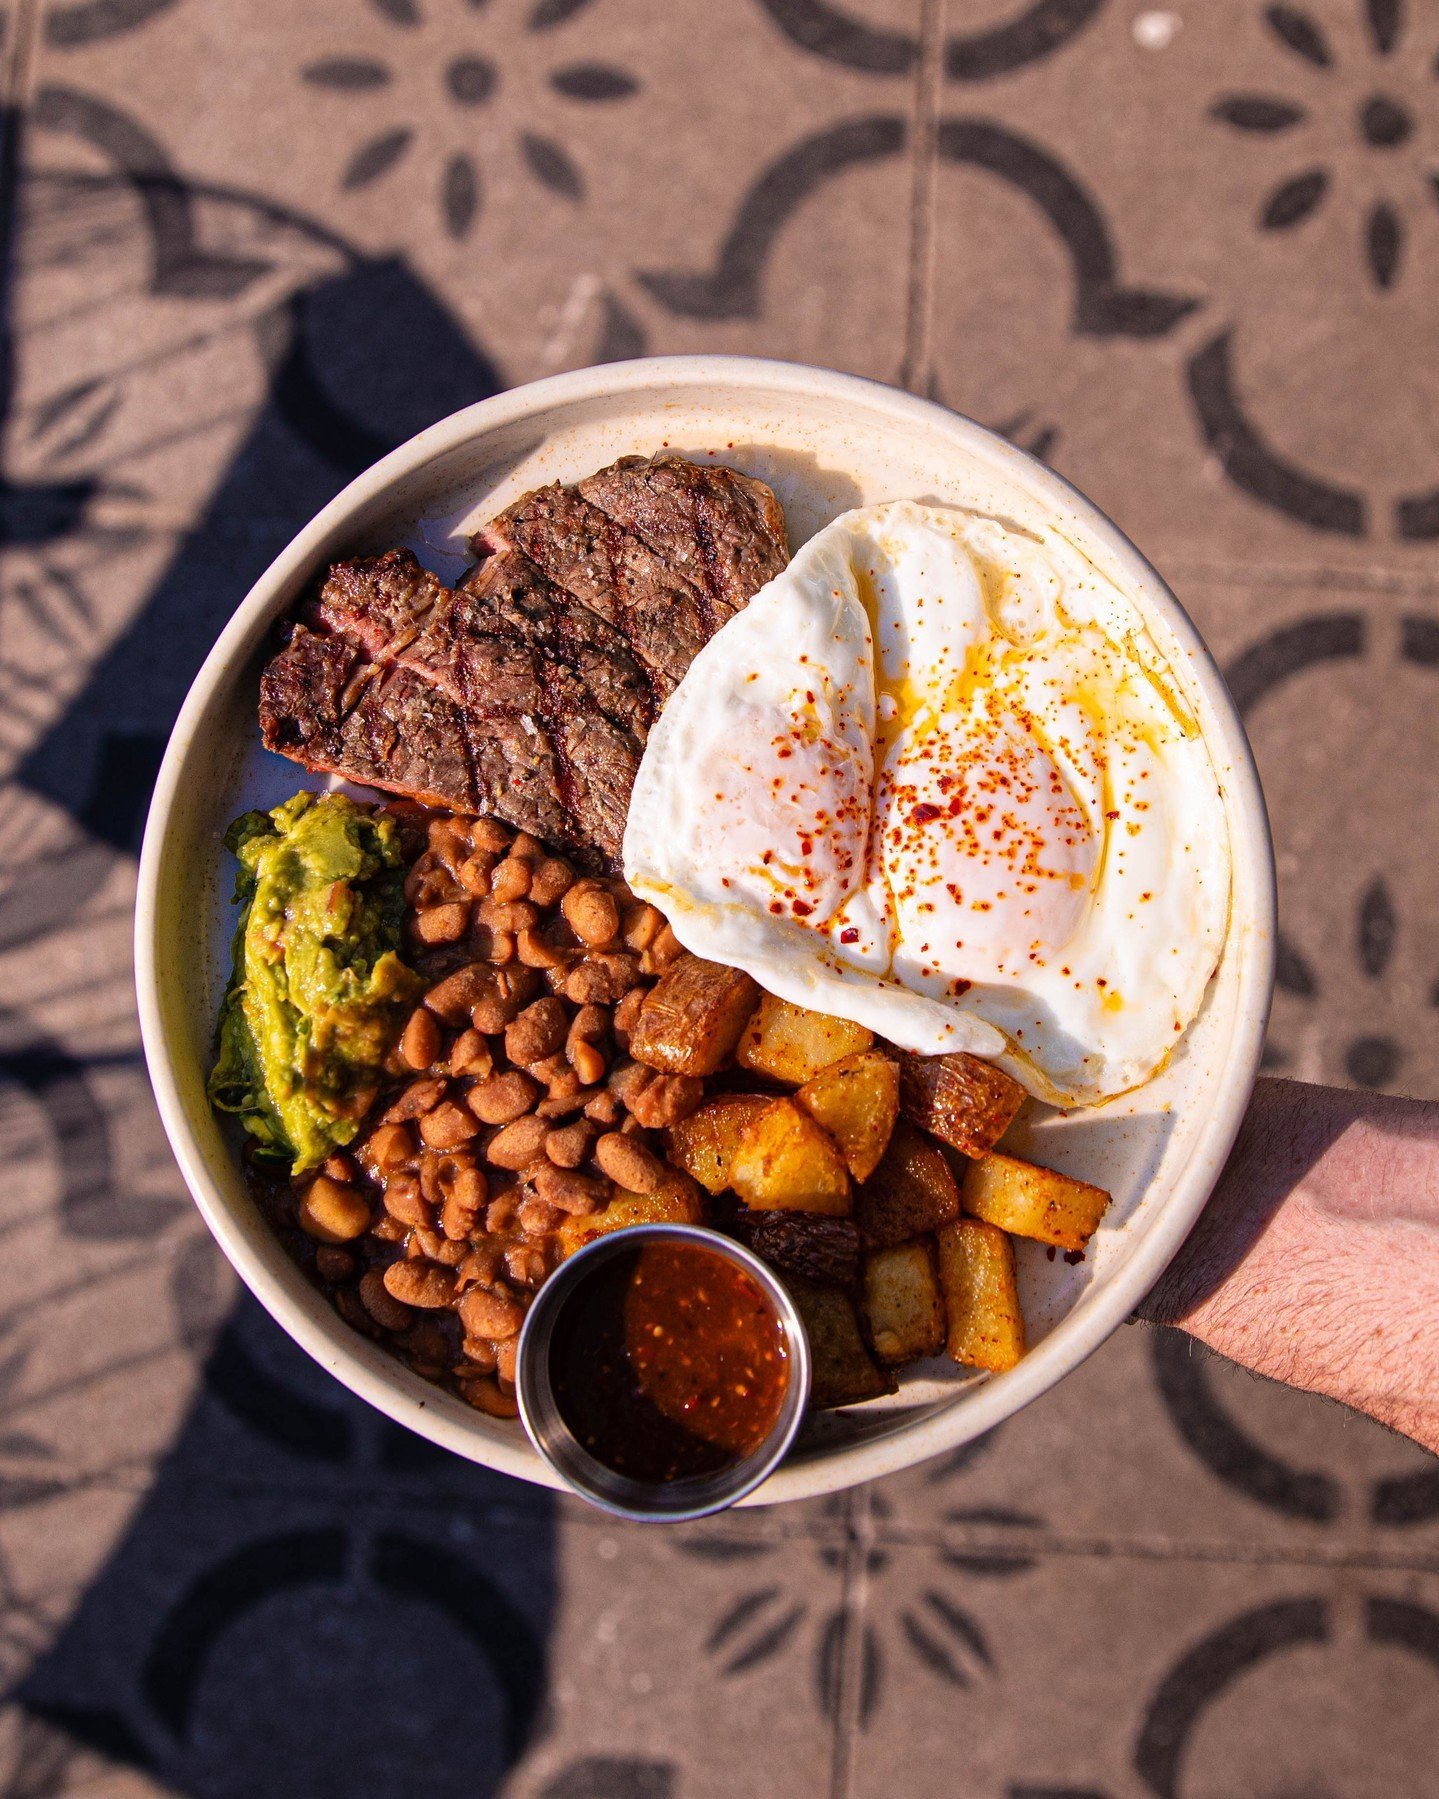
x: 528, y: 691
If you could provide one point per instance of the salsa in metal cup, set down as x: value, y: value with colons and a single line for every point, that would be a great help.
x: 669, y: 1363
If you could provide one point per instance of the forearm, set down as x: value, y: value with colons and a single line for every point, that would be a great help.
x: 1316, y: 1262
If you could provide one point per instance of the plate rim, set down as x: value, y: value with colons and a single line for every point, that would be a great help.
x: 986, y: 1402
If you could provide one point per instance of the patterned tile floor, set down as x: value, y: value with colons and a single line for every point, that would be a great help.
x: 1184, y: 251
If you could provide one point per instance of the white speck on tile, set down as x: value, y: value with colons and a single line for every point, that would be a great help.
x: 1156, y: 30
x: 640, y: 1683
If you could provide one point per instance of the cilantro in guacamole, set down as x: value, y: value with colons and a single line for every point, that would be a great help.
x: 318, y: 993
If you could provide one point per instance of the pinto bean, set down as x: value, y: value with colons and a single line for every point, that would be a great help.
x: 442, y: 924
x: 628, y: 1163
x: 564, y: 1084
x: 420, y: 1042
x: 448, y: 1126
x: 474, y: 873
x: 642, y: 924
x: 537, y: 1218
x: 591, y: 913
x: 537, y: 1032
x: 588, y: 984
x: 526, y: 1264
x: 490, y: 834
x: 516, y: 1145
x: 536, y: 950
x: 471, y: 1055
x: 588, y: 1062
x: 387, y: 1311
x: 492, y: 1313
x: 511, y: 879
x: 405, y: 1200
x: 430, y: 883
x: 388, y: 1146
x: 450, y: 840
x: 502, y: 1211
x: 485, y: 1396
x: 566, y: 1105
x: 568, y: 1189
x: 551, y: 881
x: 505, y: 993
x: 666, y: 1100
x: 334, y: 1264
x: 570, y: 1145
x: 478, y: 1359
x: 418, y: 1098
x: 332, y: 1211
x: 603, y: 1108
x: 503, y: 1097
x: 507, y: 915
x: 481, y: 1265
x: 627, y: 1012
x: 453, y: 998
x: 428, y: 1286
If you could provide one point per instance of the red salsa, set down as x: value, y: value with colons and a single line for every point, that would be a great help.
x: 669, y: 1362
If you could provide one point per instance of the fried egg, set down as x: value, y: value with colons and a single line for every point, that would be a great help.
x: 936, y: 778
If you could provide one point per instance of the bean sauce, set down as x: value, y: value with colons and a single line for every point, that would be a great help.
x: 669, y: 1363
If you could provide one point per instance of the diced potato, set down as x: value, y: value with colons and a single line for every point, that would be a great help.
x: 693, y: 1017
x: 844, y: 1371
x: 981, y: 1301
x: 805, y: 1245
x: 912, y: 1192
x: 790, y: 1044
x: 857, y: 1101
x: 1030, y: 1201
x: 786, y: 1163
x: 704, y: 1143
x: 903, y: 1303
x: 677, y: 1202
x: 960, y: 1099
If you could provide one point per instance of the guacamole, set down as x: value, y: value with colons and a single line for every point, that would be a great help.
x: 318, y: 993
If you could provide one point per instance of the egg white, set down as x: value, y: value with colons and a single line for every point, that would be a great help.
x: 936, y: 778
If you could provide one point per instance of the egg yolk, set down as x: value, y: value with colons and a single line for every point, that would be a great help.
x: 987, y: 858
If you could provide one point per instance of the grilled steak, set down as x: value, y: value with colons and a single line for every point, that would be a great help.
x: 527, y: 691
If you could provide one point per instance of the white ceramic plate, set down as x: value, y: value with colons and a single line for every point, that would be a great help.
x: 825, y: 442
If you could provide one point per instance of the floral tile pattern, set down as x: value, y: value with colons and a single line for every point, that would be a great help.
x: 1183, y: 253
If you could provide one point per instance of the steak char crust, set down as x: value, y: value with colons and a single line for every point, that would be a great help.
x: 527, y: 692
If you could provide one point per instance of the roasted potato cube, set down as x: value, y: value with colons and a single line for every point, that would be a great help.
x: 786, y: 1163
x: 981, y: 1301
x: 693, y: 1016
x: 912, y: 1192
x: 676, y: 1202
x: 1029, y: 1201
x: 800, y: 1243
x: 963, y: 1101
x: 791, y: 1045
x: 903, y: 1304
x: 704, y: 1143
x: 857, y: 1101
x: 844, y: 1371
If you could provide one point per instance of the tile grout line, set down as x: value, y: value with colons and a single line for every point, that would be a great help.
x: 849, y: 1673
x: 929, y: 71
x: 1371, y: 578
x: 21, y: 60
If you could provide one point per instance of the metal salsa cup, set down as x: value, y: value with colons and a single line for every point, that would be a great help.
x: 622, y: 1494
